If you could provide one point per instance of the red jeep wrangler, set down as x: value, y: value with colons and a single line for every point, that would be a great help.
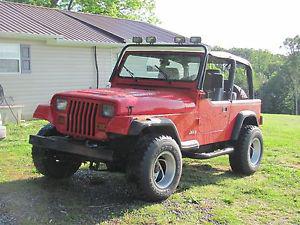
x: 166, y: 101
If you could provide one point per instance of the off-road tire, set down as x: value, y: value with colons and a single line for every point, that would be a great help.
x: 122, y: 148
x: 141, y: 166
x: 240, y: 159
x: 53, y: 164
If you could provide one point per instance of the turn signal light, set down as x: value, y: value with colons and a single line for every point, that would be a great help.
x: 61, y: 119
x: 101, y: 127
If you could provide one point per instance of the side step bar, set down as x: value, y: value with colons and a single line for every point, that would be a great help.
x: 208, y: 155
x: 63, y: 144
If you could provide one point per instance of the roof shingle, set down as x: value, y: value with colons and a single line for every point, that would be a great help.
x: 28, y: 19
x: 41, y: 20
x: 124, y: 28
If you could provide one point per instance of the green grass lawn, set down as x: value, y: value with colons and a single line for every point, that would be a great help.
x: 208, y: 193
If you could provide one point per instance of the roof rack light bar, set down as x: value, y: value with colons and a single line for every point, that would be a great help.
x: 137, y: 40
x: 151, y: 39
x: 179, y: 40
x: 195, y: 40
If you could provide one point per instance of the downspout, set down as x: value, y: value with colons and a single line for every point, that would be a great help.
x: 96, y: 66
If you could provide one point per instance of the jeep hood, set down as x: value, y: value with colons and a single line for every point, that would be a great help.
x: 141, y: 101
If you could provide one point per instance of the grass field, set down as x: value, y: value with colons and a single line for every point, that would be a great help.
x: 208, y: 193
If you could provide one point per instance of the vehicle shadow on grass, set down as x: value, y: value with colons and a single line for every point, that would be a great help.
x: 87, y: 198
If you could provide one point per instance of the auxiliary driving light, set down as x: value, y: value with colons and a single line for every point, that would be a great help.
x: 137, y: 40
x: 195, y: 40
x: 179, y: 39
x: 151, y: 39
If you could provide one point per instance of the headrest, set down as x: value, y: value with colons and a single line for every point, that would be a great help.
x: 217, y: 81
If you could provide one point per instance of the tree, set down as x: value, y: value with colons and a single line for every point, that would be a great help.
x: 46, y: 3
x: 276, y: 95
x: 292, y: 67
x: 142, y: 10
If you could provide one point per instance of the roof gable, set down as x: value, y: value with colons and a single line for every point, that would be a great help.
x: 124, y: 28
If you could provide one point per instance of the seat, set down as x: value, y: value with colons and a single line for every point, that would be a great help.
x: 227, y: 91
x: 214, y: 84
x: 207, y: 86
x: 218, y: 86
x: 241, y: 94
x: 172, y: 73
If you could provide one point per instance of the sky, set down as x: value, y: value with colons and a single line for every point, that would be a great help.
x: 259, y: 24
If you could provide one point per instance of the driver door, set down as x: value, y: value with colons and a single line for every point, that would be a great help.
x: 213, y: 117
x: 213, y: 105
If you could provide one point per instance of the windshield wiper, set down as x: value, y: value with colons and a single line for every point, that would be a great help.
x: 162, y: 72
x: 130, y: 72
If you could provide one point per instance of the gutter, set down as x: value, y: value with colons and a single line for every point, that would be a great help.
x: 29, y: 36
x: 53, y: 39
x: 64, y: 42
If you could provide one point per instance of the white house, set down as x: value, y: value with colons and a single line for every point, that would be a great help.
x: 44, y: 51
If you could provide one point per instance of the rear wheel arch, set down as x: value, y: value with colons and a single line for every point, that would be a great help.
x: 244, y: 118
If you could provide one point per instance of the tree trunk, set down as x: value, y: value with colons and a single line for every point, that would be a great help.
x: 70, y: 5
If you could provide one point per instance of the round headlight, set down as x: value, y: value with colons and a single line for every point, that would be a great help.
x: 108, y: 110
x: 61, y: 104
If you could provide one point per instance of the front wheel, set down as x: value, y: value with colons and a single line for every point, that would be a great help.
x: 156, y: 167
x: 248, y: 152
x: 51, y: 163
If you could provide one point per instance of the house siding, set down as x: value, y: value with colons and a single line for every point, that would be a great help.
x: 55, y: 69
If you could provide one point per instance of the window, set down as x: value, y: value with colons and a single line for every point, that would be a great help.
x: 216, y: 83
x: 162, y: 65
x: 241, y: 86
x: 25, y: 59
x: 14, y: 58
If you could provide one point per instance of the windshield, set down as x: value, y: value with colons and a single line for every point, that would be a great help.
x: 171, y: 66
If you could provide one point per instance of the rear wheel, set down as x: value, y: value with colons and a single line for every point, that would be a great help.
x: 52, y: 163
x: 156, y: 167
x: 248, y: 152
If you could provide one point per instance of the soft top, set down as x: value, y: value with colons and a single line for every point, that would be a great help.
x: 227, y: 55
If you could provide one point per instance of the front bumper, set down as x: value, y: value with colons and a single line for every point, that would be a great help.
x: 64, y: 144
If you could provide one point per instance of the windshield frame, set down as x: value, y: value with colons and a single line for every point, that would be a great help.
x: 122, y: 57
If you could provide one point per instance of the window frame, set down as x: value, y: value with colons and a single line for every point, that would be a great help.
x: 20, y: 59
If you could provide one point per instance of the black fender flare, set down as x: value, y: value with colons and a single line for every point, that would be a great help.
x: 137, y: 126
x: 240, y: 118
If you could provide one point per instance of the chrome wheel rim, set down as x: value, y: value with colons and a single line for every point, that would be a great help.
x: 164, y: 170
x: 255, y: 151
